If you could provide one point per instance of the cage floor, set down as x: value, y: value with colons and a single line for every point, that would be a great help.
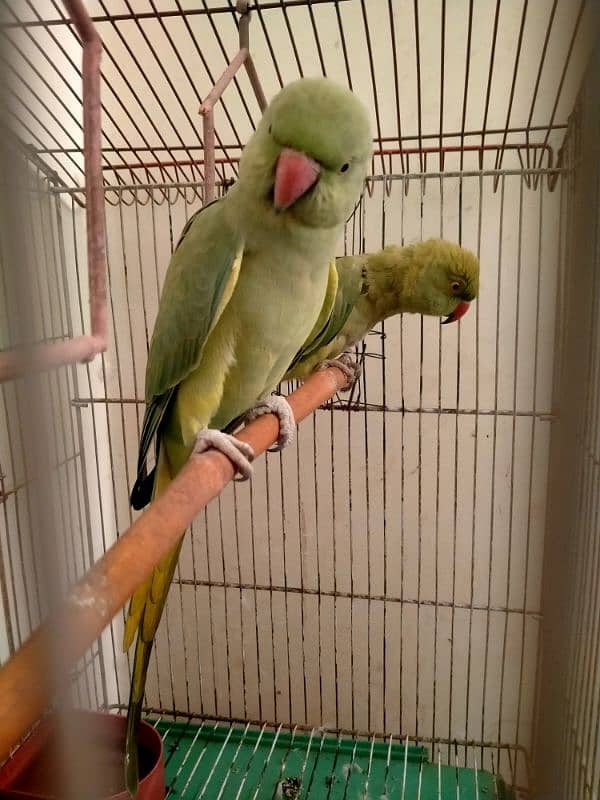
x: 241, y: 763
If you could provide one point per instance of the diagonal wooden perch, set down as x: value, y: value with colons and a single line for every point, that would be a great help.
x: 26, y: 682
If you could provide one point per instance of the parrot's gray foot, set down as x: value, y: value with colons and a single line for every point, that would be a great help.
x: 347, y: 364
x: 239, y: 453
x: 275, y: 404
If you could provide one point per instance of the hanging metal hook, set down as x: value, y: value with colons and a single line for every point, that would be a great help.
x: 242, y: 7
x: 207, y: 107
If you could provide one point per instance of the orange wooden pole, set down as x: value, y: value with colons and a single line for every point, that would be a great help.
x: 26, y: 681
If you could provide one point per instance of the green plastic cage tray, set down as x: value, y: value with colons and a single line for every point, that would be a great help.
x: 216, y: 761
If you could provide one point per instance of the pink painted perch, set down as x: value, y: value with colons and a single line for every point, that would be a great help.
x: 207, y: 108
x: 17, y: 362
x: 26, y: 684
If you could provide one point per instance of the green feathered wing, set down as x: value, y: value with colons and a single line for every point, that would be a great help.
x: 348, y: 288
x: 201, y: 274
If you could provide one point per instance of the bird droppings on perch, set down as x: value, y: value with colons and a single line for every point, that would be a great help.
x: 289, y: 789
x: 348, y: 769
x: 85, y: 595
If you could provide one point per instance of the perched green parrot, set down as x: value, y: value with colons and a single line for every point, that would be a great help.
x: 244, y: 289
x: 434, y: 277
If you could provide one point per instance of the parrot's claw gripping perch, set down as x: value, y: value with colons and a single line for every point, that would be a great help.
x: 275, y: 404
x: 347, y: 364
x: 239, y: 453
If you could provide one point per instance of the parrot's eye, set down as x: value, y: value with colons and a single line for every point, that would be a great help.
x: 345, y: 167
x: 456, y: 287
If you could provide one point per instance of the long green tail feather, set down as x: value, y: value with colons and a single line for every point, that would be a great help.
x: 134, y: 712
x: 145, y: 611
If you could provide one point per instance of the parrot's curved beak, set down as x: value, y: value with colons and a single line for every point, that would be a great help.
x: 460, y: 310
x: 294, y: 175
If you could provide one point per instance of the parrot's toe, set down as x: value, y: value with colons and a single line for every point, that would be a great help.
x: 347, y: 364
x: 239, y: 453
x: 275, y: 404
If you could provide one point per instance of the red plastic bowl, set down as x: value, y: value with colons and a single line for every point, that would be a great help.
x: 33, y: 772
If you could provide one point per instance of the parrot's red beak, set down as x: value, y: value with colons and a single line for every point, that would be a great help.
x: 460, y: 310
x: 294, y: 175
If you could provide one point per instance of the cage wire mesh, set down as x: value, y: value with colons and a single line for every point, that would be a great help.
x: 383, y: 577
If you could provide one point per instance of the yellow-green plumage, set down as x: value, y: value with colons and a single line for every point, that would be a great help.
x: 416, y: 279
x: 245, y: 287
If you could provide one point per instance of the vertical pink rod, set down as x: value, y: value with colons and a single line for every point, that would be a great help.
x: 92, y: 148
x: 16, y: 363
x: 209, y: 156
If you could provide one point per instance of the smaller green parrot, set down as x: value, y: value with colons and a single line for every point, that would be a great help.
x: 434, y: 277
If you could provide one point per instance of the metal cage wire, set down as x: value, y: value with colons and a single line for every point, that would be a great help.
x: 384, y: 577
x: 155, y: 71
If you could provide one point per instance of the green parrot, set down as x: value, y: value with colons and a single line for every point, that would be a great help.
x: 243, y: 291
x: 434, y: 277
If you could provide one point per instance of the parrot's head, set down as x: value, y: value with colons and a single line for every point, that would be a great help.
x: 310, y: 153
x: 448, y: 278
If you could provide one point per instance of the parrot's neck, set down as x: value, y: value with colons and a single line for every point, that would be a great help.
x: 260, y: 223
x: 391, y: 282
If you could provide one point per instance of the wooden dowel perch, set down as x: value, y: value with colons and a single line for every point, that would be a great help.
x: 26, y: 684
